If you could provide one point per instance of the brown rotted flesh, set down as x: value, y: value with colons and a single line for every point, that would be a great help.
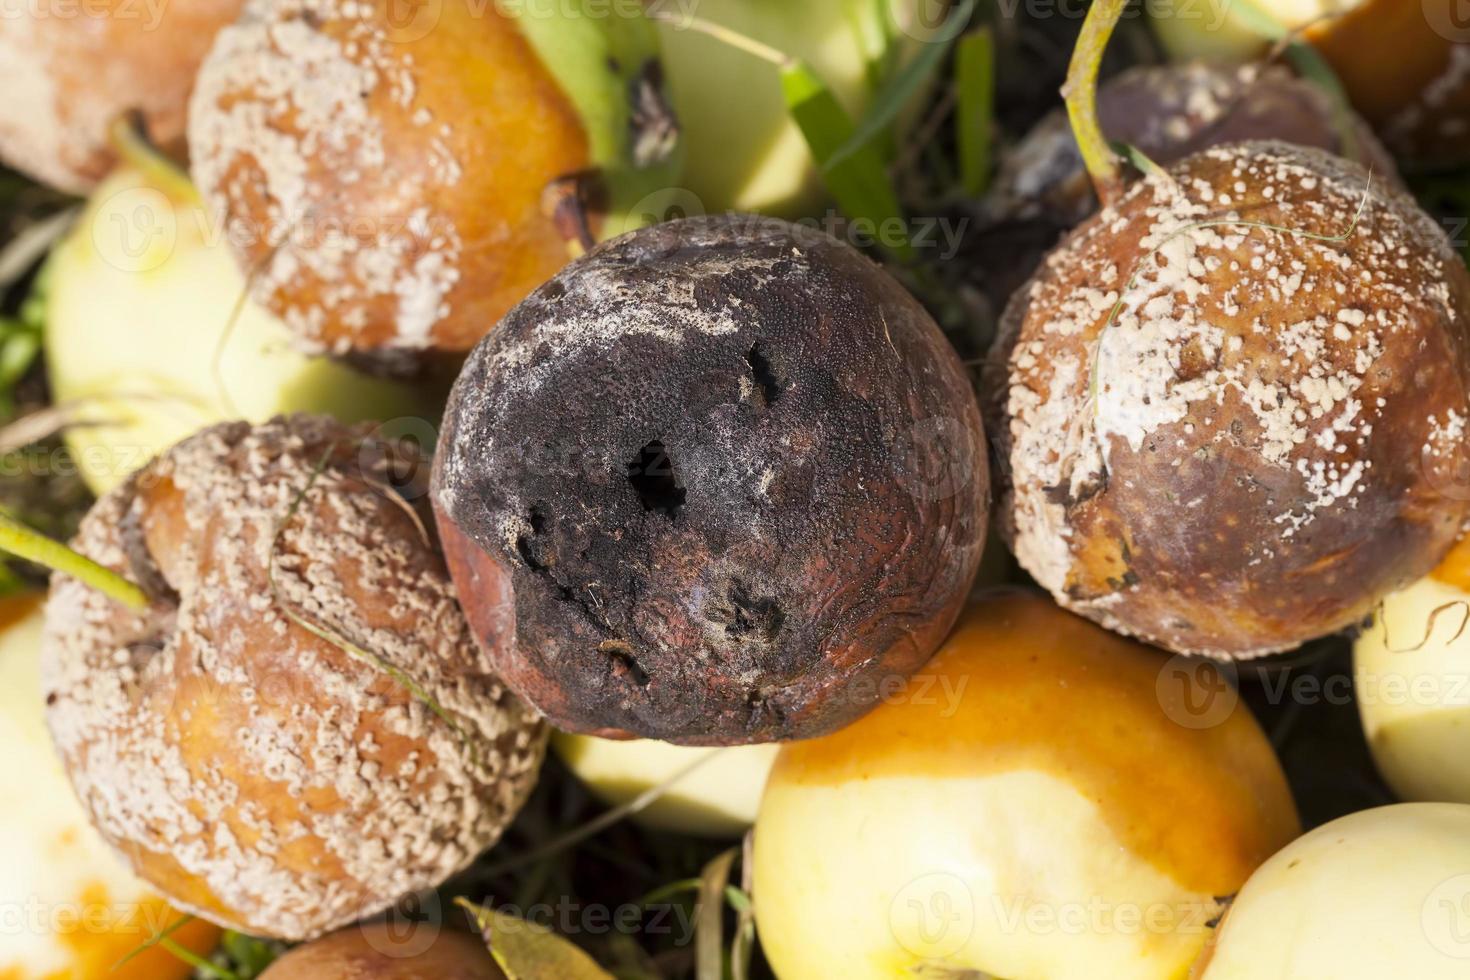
x: 726, y: 478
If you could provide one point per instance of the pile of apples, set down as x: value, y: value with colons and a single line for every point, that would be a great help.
x: 1220, y: 420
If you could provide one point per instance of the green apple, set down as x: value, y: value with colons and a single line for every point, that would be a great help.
x: 144, y: 346
x: 72, y: 908
x: 742, y: 151
x: 1228, y: 30
x: 1044, y: 800
x: 717, y: 798
x: 1380, y: 893
x: 1412, y: 683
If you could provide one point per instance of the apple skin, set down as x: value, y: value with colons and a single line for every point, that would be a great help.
x: 386, y: 951
x: 140, y: 295
x: 1379, y: 893
x: 1412, y: 85
x: 718, y: 799
x: 91, y: 911
x: 744, y: 153
x: 71, y: 70
x: 1412, y: 680
x: 1039, y: 807
x: 1216, y: 30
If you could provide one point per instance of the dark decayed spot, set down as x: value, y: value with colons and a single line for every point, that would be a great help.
x: 655, y: 480
x: 765, y: 377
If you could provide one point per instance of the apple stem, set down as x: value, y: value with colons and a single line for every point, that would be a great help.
x: 129, y: 139
x: 23, y: 542
x: 1080, y: 93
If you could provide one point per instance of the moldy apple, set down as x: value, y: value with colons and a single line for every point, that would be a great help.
x: 379, y: 951
x: 1166, y: 112
x: 710, y: 484
x: 298, y: 729
x: 393, y: 185
x: 67, y: 79
x: 1232, y: 400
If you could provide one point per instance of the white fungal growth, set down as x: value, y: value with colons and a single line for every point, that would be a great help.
x: 290, y: 118
x: 1270, y: 333
x: 231, y: 752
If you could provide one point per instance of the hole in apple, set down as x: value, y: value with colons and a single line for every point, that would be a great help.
x: 656, y: 481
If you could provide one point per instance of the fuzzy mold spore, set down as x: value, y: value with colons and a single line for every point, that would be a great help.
x: 381, y: 178
x: 255, y: 771
x: 1231, y: 406
x: 68, y: 78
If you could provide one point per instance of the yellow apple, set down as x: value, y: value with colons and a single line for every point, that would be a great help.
x: 69, y: 909
x: 1042, y: 803
x: 140, y: 342
x: 1412, y: 682
x: 718, y: 798
x: 743, y: 152
x: 1380, y: 893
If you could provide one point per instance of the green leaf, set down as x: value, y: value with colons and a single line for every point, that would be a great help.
x: 709, y: 931
x: 661, y: 895
x: 739, y: 901
x: 249, y: 956
x: 1139, y: 160
x: 902, y: 87
x: 742, y: 946
x: 975, y: 109
x: 860, y: 184
x: 18, y: 352
x: 527, y: 951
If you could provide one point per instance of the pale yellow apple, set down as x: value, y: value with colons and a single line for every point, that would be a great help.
x: 143, y: 344
x: 1224, y: 30
x: 69, y: 908
x: 716, y: 798
x: 1380, y: 893
x: 1042, y: 804
x: 1412, y: 685
x: 743, y: 152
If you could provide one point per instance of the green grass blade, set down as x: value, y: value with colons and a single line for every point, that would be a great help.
x: 153, y: 940
x: 901, y: 88
x: 860, y: 184
x: 709, y: 942
x: 975, y: 109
